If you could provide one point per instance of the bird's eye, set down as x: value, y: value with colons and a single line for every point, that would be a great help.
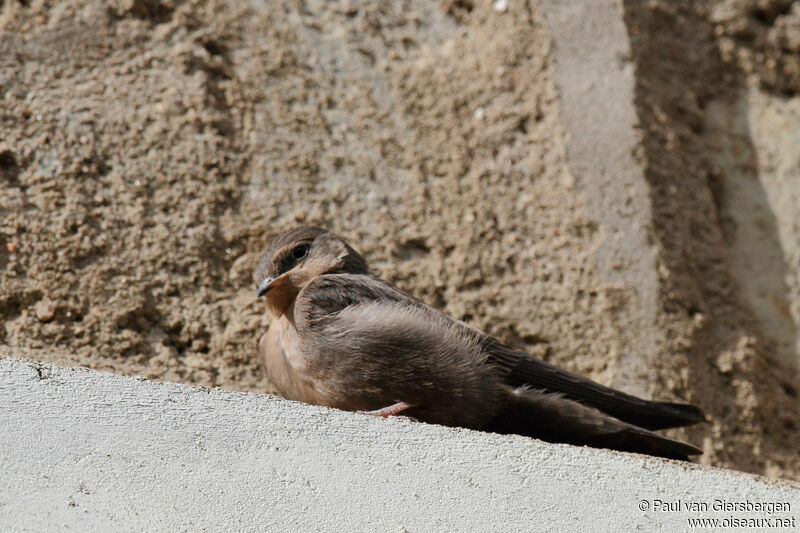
x: 299, y: 252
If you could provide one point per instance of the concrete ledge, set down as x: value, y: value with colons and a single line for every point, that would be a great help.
x: 92, y: 451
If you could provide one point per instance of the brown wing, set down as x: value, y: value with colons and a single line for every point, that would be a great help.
x: 522, y: 369
x: 519, y: 369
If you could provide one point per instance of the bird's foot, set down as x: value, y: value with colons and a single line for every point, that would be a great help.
x: 392, y: 410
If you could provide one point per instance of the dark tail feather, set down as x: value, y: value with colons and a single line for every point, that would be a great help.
x: 654, y: 415
x: 638, y: 440
x: 553, y: 418
x: 674, y: 415
x: 520, y: 369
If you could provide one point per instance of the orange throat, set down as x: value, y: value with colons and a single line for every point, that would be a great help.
x: 280, y: 301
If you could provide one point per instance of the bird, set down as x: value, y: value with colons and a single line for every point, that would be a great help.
x: 342, y: 337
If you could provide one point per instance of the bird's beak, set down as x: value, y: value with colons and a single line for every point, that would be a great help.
x: 268, y: 283
x: 265, y: 286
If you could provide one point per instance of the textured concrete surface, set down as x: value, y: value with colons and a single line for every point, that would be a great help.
x: 597, y: 109
x: 562, y: 174
x: 756, y: 140
x: 90, y: 451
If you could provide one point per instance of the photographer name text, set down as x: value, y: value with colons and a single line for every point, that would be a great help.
x: 715, y: 506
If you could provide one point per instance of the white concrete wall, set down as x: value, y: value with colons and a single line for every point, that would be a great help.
x: 596, y: 85
x: 89, y: 451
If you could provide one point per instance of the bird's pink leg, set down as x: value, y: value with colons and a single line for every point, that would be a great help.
x: 392, y: 410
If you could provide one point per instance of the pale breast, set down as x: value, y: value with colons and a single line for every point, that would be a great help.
x: 286, y: 364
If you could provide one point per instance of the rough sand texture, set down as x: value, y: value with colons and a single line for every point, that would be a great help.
x: 734, y: 366
x: 149, y: 148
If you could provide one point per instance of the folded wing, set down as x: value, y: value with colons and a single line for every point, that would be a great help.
x: 521, y: 369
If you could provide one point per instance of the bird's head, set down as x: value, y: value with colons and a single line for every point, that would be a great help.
x: 297, y: 256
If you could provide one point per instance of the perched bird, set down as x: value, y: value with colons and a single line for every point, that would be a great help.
x: 342, y: 337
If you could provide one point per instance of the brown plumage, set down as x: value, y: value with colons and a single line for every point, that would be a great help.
x: 344, y: 338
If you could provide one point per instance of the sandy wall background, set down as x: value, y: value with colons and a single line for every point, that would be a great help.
x: 149, y: 149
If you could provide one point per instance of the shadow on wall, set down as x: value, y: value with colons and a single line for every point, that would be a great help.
x: 749, y: 218
x: 722, y: 246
